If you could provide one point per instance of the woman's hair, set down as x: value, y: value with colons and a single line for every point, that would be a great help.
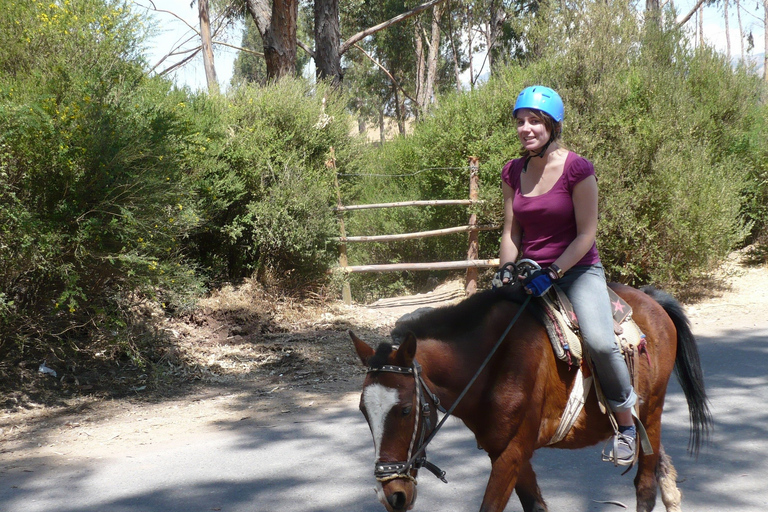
x: 553, y: 127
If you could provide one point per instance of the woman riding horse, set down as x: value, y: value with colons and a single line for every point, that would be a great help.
x: 489, y: 362
x: 550, y: 216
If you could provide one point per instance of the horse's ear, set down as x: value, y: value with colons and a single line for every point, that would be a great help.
x: 407, y: 351
x: 364, y: 352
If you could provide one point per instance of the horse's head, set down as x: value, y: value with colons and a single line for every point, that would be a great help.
x: 399, y: 416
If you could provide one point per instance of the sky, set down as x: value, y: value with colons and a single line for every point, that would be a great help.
x: 172, y: 31
x: 714, y: 25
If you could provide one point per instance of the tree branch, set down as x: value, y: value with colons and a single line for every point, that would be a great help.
x: 222, y: 43
x: 305, y: 48
x: 181, y: 62
x: 346, y: 45
x: 693, y: 11
x: 154, y: 8
x: 388, y: 74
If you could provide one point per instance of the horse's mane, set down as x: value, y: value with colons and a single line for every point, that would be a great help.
x: 451, y: 322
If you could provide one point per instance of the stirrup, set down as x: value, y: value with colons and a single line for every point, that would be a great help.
x: 611, y: 456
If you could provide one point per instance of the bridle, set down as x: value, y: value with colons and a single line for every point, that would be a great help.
x: 417, y: 455
x: 386, y: 471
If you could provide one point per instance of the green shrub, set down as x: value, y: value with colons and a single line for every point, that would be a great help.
x: 263, y: 183
x: 93, y: 201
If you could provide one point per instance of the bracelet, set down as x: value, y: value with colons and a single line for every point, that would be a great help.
x: 556, y: 273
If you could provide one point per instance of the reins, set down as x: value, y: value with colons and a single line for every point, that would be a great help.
x: 399, y: 470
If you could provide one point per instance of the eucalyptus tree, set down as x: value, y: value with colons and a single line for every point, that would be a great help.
x: 276, y: 21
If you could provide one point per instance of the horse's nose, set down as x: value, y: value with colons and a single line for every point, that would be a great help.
x: 397, y: 500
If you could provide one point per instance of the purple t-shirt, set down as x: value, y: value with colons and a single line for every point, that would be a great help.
x: 548, y: 220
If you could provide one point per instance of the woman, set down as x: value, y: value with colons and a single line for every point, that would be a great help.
x: 550, y: 216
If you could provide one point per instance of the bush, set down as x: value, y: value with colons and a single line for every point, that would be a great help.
x: 264, y: 186
x: 93, y: 202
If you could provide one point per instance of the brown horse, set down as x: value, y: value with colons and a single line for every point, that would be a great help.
x: 515, y: 405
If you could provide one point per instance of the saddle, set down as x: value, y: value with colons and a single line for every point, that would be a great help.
x: 556, y: 313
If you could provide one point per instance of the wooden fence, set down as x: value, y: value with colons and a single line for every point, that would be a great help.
x: 472, y: 263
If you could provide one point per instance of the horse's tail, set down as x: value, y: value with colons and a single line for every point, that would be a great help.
x: 687, y: 369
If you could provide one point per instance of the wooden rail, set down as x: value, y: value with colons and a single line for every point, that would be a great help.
x: 437, y: 265
x: 417, y: 234
x: 433, y: 202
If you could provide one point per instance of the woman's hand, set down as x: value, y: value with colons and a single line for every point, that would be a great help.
x: 538, y: 282
x: 504, y: 276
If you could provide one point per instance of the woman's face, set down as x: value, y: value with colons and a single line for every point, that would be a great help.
x: 531, y: 130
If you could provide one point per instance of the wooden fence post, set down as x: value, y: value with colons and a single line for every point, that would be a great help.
x: 473, y: 251
x: 346, y: 290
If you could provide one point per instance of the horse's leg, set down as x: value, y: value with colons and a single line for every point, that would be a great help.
x: 671, y: 496
x: 645, y: 482
x: 528, y: 490
x: 505, y: 469
x: 645, y: 479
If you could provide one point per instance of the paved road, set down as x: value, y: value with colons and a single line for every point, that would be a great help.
x: 322, y: 462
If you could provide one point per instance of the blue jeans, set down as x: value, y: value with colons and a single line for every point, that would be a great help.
x: 585, y: 286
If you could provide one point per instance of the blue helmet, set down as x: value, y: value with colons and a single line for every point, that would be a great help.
x: 541, y: 98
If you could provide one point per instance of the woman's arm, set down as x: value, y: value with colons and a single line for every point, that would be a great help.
x: 585, y: 207
x: 512, y: 232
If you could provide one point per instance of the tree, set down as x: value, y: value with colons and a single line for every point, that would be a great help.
x: 741, y: 29
x: 727, y: 31
x: 205, y: 35
x: 327, y: 36
x: 426, y: 67
x: 276, y: 22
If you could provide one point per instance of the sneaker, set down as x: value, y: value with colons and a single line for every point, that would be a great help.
x: 623, y: 451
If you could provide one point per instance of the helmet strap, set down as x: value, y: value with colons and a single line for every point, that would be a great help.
x: 539, y: 154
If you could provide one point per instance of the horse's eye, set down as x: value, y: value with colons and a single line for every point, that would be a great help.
x: 407, y: 410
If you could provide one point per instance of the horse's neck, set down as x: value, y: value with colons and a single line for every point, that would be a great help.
x: 445, y: 369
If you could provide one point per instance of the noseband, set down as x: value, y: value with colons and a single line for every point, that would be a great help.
x: 386, y: 471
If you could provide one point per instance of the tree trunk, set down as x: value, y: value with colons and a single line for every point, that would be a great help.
x: 653, y: 12
x: 277, y: 27
x: 741, y: 31
x: 495, y: 27
x: 205, y: 36
x: 434, y: 53
x: 399, y: 111
x: 765, y: 37
x: 426, y: 67
x: 727, y: 32
x: 470, y: 44
x: 327, y: 38
x: 420, y: 61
